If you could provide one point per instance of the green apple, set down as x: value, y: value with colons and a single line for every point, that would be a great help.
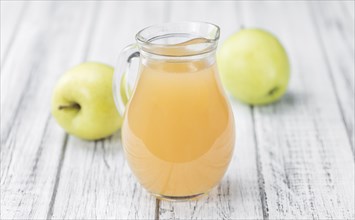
x: 123, y: 93
x: 254, y: 66
x: 83, y: 104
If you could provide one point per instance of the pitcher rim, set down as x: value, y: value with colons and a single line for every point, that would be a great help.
x: 207, y: 34
x: 143, y: 40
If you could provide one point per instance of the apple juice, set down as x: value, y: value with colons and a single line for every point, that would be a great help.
x: 178, y: 132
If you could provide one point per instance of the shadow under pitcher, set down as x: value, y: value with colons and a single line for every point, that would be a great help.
x: 178, y: 128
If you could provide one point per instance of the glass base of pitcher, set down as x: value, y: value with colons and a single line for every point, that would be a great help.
x: 179, y: 198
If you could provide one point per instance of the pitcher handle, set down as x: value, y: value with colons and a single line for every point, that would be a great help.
x: 121, y: 90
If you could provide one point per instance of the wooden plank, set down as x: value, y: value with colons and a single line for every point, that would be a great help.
x: 349, y: 8
x: 12, y: 13
x: 336, y: 32
x: 238, y: 195
x: 31, y: 150
x: 118, y: 25
x: 95, y: 181
x: 303, y: 148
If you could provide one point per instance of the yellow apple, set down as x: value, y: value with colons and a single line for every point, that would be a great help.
x: 83, y: 104
x: 254, y: 66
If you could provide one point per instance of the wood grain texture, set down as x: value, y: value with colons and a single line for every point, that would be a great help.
x: 303, y: 148
x: 335, y: 28
x: 31, y: 142
x: 348, y: 7
x: 11, y: 14
x: 238, y: 195
x: 293, y: 159
x: 95, y: 181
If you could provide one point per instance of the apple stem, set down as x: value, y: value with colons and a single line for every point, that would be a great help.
x: 273, y: 90
x: 70, y: 106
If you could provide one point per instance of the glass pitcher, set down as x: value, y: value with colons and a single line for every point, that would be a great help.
x: 178, y: 128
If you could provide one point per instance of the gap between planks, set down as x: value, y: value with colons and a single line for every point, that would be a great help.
x: 261, y: 181
x: 57, y: 177
x: 65, y: 143
x: 330, y: 74
x: 157, y: 208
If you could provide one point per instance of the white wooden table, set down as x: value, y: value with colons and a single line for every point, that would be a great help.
x: 293, y: 159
